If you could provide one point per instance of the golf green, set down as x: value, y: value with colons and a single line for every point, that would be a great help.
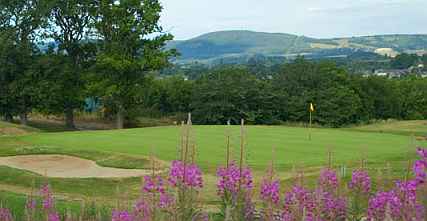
x: 291, y: 144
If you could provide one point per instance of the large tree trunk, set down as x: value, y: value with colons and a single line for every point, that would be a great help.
x: 120, y: 118
x: 69, y: 118
x: 8, y: 117
x: 24, y: 118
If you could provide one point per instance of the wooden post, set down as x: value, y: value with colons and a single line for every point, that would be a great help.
x: 228, y: 143
x: 242, y: 146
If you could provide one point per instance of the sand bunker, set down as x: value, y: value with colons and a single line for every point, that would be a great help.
x: 67, y: 167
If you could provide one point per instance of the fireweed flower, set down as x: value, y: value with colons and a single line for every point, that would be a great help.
x: 400, y: 201
x: 121, y: 216
x: 30, y: 204
x: 419, y: 169
x: 141, y: 210
x: 249, y: 209
x: 407, y: 189
x: 189, y: 175
x: 297, y: 202
x: 234, y: 186
x: 54, y: 216
x: 230, y: 178
x: 166, y: 200
x: 360, y: 181
x: 47, y: 198
x: 193, y: 176
x: 153, y: 185
x: 270, y: 191
x: 331, y: 206
x: 422, y: 153
x: 377, y: 206
x: 328, y: 180
x: 5, y: 214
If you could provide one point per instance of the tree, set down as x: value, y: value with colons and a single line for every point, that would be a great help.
x: 131, y: 43
x: 70, y: 26
x: 231, y: 93
x: 404, y: 61
x: 414, y: 98
x: 424, y: 60
x: 8, y: 65
x: 20, y: 21
x: 324, y: 84
x: 337, y: 106
x: 175, y: 95
x: 380, y: 97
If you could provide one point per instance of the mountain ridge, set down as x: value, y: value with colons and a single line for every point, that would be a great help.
x: 245, y: 43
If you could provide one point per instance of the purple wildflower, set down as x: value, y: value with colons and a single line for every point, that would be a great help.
x: 407, y: 189
x: 47, y: 198
x: 30, y: 204
x: 47, y: 202
x: 403, y: 205
x: 297, y: 202
x: 249, y: 207
x: 328, y: 180
x: 360, y: 181
x: 121, y: 216
x: 419, y: 169
x: 230, y: 178
x: 194, y: 176
x: 332, y: 207
x: 165, y: 200
x: 156, y: 187
x: 401, y: 202
x: 270, y: 191
x: 54, y: 216
x: 189, y: 175
x: 153, y: 185
x: 377, y: 206
x: 142, y: 210
x: 422, y: 152
x: 5, y: 214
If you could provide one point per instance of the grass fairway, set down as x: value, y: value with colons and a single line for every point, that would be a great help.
x: 291, y: 143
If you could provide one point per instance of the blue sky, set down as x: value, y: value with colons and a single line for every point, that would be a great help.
x: 315, y: 18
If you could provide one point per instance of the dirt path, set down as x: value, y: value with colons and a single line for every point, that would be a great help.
x: 62, y: 166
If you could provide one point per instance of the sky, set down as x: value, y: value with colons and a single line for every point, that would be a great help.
x: 186, y: 19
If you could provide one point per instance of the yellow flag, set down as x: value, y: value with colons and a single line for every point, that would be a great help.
x: 311, y: 107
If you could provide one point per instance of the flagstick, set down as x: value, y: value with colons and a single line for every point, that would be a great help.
x: 309, y: 127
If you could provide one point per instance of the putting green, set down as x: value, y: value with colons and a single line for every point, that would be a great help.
x: 292, y: 146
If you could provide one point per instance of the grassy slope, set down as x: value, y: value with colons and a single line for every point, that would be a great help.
x: 9, y: 129
x: 292, y: 144
x: 416, y: 127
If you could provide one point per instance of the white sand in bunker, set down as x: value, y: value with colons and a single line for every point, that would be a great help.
x: 62, y: 166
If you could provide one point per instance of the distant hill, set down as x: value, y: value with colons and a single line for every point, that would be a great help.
x: 244, y: 44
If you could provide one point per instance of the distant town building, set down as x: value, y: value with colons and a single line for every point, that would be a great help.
x: 391, y: 73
